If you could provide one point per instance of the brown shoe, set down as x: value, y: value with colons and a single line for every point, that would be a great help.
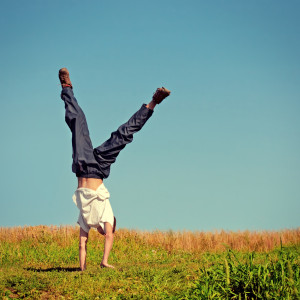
x: 64, y: 78
x: 160, y: 95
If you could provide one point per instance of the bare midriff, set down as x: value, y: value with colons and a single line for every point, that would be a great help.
x: 89, y: 183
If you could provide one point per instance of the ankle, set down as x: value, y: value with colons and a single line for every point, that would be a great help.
x: 151, y: 104
x: 66, y: 85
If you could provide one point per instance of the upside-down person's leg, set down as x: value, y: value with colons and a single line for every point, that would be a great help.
x: 83, y: 158
x: 83, y: 239
x: 107, y: 153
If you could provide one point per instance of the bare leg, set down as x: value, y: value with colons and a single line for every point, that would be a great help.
x: 151, y: 105
x: 109, y: 238
x: 83, y: 239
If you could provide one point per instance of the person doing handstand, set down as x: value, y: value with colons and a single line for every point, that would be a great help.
x: 92, y: 165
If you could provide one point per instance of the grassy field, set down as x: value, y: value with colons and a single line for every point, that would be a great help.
x: 42, y: 263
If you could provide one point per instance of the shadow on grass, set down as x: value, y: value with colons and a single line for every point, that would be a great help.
x: 57, y: 269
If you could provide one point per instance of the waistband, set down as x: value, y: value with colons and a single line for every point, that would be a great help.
x: 90, y: 175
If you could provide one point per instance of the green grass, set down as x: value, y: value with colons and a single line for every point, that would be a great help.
x: 44, y: 266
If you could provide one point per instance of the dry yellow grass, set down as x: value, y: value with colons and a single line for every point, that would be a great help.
x: 63, y: 235
x: 222, y: 240
x: 169, y: 240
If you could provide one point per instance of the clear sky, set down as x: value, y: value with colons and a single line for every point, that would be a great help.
x: 222, y: 152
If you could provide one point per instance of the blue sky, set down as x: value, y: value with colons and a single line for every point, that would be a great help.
x: 222, y: 152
